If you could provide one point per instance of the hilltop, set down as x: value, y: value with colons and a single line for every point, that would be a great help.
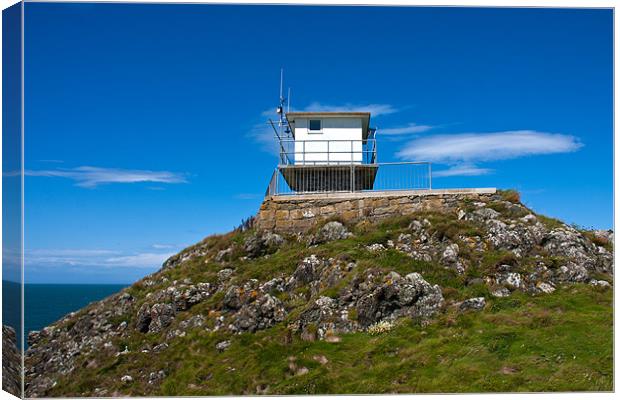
x: 484, y: 295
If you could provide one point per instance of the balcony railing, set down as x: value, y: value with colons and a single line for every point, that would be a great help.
x: 295, y: 179
x: 327, y: 152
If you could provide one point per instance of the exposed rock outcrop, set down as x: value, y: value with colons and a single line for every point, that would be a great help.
x: 11, y: 362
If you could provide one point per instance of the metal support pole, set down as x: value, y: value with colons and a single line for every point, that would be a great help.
x: 430, y: 176
x: 352, y: 178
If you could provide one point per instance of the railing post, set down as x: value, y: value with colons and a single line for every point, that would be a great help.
x: 352, y: 177
x: 430, y: 176
x: 351, y: 151
x: 328, y: 152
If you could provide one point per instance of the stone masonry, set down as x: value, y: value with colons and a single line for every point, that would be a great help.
x: 299, y: 213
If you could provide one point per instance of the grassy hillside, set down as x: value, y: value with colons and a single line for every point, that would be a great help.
x: 528, y: 340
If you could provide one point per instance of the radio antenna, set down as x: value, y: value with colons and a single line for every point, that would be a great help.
x: 284, y: 129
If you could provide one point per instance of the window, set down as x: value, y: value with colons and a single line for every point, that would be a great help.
x: 314, y: 125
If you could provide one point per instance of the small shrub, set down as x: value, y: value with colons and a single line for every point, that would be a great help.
x: 511, y: 195
x: 598, y: 240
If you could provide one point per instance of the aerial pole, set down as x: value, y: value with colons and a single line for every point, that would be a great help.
x: 283, y: 130
x: 283, y: 123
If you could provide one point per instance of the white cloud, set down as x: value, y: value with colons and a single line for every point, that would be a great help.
x: 162, y: 246
x: 407, y: 129
x: 374, y: 109
x: 90, y: 258
x: 462, y: 170
x: 476, y: 147
x: 264, y: 135
x: 90, y: 177
x: 140, y: 260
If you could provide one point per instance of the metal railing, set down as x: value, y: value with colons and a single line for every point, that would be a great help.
x: 327, y: 152
x: 294, y: 179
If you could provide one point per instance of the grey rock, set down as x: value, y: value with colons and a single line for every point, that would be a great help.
x: 450, y: 254
x: 11, y: 362
x: 223, y: 345
x: 308, y: 270
x: 262, y: 313
x: 572, y: 272
x: 600, y: 283
x: 511, y: 280
x: 224, y: 255
x: 162, y: 316
x: 375, y: 247
x: 475, y: 304
x: 262, y: 243
x: 160, y: 347
x: 232, y: 298
x: 156, y: 377
x: 482, y: 215
x: 529, y: 219
x: 500, y: 292
x: 545, y: 287
x: 273, y: 286
x: 331, y: 231
x: 224, y: 275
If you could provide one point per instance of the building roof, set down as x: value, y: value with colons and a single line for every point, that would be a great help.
x: 332, y: 114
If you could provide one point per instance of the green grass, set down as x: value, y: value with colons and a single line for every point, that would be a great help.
x: 557, y: 342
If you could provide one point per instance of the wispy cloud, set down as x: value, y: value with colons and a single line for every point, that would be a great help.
x: 478, y: 147
x: 140, y: 260
x: 263, y: 135
x: 90, y: 177
x: 404, y: 130
x: 462, y: 170
x: 375, y: 109
x: 66, y: 256
x: 89, y: 258
x: 160, y: 246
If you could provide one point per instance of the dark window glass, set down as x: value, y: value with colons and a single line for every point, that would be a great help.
x: 315, y: 124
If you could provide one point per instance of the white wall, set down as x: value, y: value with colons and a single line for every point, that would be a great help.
x: 344, y: 135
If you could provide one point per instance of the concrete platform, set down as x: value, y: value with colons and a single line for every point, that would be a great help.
x: 387, y: 193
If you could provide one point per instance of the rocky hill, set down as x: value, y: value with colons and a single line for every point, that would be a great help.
x: 485, y: 295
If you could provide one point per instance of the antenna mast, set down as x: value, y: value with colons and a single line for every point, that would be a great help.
x: 283, y: 122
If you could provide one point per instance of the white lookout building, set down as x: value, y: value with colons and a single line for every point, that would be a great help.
x: 327, y: 152
x: 327, y: 138
x: 336, y: 152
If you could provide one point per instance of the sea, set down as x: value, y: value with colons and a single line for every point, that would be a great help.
x: 47, y: 303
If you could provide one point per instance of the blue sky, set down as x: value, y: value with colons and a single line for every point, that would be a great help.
x: 145, y: 124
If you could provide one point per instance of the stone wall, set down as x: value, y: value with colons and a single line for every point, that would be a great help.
x: 292, y: 214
